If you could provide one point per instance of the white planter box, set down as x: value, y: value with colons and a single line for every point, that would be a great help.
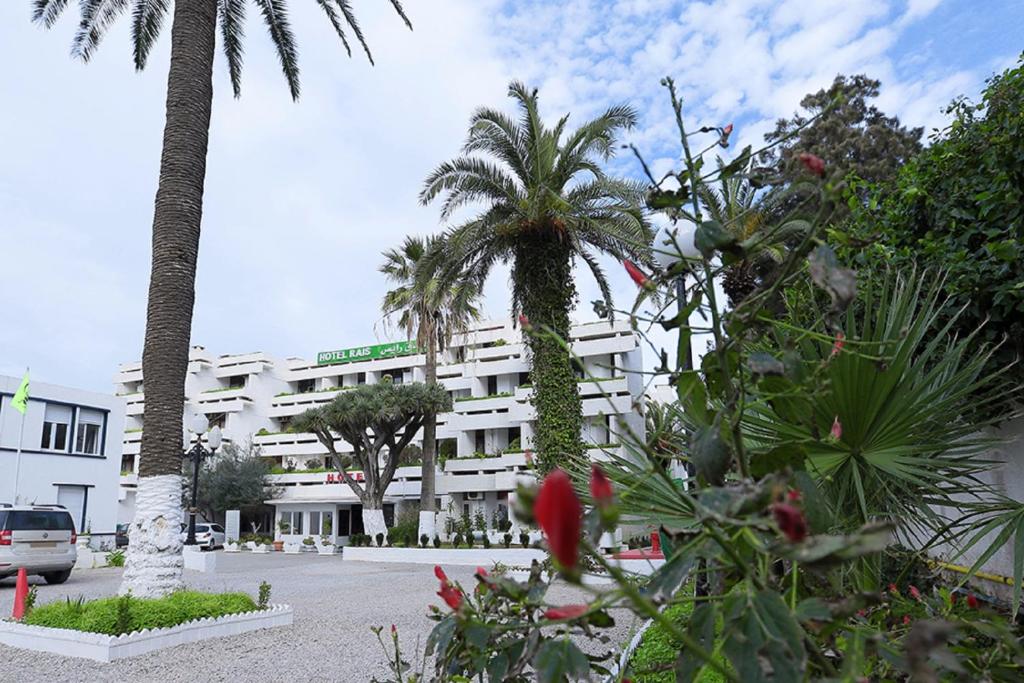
x: 325, y: 549
x: 104, y: 648
x: 292, y: 548
x: 475, y: 557
x: 232, y: 548
x: 261, y: 548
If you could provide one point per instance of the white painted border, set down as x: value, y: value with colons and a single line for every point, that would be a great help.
x: 103, y: 648
x: 483, y: 557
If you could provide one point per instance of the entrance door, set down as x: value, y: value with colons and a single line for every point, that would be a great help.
x: 73, y: 500
x: 357, y: 519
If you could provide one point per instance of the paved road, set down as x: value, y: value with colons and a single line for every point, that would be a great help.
x: 335, y: 603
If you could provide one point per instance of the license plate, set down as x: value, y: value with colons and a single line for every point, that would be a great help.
x: 44, y: 544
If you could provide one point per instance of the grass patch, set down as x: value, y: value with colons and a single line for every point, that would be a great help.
x: 658, y: 651
x: 114, y: 616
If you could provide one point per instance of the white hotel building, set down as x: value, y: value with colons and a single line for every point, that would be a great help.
x: 482, y: 441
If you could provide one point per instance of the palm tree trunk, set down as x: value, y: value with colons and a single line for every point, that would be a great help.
x: 154, y: 562
x: 427, y: 507
x: 544, y: 287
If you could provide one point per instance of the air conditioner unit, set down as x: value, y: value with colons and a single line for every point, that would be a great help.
x: 473, y: 495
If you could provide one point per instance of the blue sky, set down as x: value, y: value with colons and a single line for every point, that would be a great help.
x: 302, y: 198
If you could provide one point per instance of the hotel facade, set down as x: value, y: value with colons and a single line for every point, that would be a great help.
x: 482, y: 442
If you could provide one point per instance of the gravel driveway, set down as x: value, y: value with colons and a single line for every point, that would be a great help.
x: 335, y: 604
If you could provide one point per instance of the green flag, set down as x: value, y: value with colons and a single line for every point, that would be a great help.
x: 20, y: 400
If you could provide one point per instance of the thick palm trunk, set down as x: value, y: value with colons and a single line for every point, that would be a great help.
x: 545, y: 290
x: 154, y: 561
x: 427, y: 507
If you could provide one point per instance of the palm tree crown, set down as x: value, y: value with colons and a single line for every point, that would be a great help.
x: 540, y: 183
x: 147, y: 17
x: 421, y: 303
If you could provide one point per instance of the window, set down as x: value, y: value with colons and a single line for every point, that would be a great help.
x: 344, y: 522
x: 361, y: 378
x: 90, y: 427
x: 306, y: 385
x: 218, y: 528
x: 291, y: 522
x: 127, y: 464
x: 236, y: 381
x: 37, y: 520
x: 578, y: 369
x: 492, y: 385
x: 320, y: 522
x: 481, y: 443
x: 56, y: 425
x: 524, y: 378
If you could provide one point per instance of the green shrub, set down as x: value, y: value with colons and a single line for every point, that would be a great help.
x: 406, y: 526
x: 506, y: 540
x: 264, y: 596
x: 115, y: 559
x: 114, y: 616
x: 437, y: 541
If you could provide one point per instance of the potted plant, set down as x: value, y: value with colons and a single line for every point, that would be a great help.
x: 524, y: 538
x: 261, y: 545
x: 506, y: 540
x: 308, y: 543
x: 292, y: 548
x: 231, y: 546
x: 284, y: 527
x: 325, y: 547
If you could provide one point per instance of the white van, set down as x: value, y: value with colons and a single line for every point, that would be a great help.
x: 40, y: 538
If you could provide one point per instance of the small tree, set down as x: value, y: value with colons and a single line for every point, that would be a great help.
x: 379, y: 421
x: 235, y: 479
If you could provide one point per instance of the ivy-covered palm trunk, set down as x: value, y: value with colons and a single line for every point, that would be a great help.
x: 544, y: 288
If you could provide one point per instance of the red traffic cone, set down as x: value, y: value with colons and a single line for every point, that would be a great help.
x: 20, y: 593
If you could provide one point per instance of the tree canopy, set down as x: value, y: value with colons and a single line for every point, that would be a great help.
x: 379, y: 421
x: 233, y: 479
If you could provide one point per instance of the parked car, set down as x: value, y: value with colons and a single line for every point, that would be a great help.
x: 209, y: 536
x: 40, y: 538
x: 121, y: 536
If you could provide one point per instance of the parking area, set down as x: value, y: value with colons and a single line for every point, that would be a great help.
x: 336, y: 603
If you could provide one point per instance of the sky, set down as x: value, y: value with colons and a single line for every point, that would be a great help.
x: 302, y: 198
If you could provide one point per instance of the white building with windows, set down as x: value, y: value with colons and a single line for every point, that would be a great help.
x: 482, y: 442
x: 66, y: 449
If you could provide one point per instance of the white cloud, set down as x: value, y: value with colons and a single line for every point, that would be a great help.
x: 302, y: 197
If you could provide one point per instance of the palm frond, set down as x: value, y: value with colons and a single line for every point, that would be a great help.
x: 48, y: 11
x: 232, y: 20
x: 350, y: 19
x: 332, y: 16
x: 275, y: 15
x: 401, y: 12
x: 97, y: 15
x: 147, y: 20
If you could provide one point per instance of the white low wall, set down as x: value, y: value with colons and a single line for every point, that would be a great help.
x: 476, y: 557
x: 104, y: 648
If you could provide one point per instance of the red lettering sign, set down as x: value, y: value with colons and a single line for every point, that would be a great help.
x: 335, y: 478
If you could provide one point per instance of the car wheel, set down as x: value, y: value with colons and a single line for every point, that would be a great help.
x: 213, y: 545
x: 54, y: 578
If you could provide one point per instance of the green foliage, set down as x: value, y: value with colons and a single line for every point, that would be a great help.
x: 959, y: 207
x: 115, y: 558
x: 500, y: 394
x: 30, y: 599
x: 380, y: 540
x: 263, y: 601
x: 546, y: 201
x: 124, y: 614
x: 437, y: 541
x: 234, y: 479
x: 405, y: 527
x: 842, y: 127
x: 658, y: 651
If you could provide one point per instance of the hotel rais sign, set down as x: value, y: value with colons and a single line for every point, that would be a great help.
x: 359, y: 353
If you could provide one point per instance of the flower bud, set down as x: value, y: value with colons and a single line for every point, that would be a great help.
x: 813, y: 163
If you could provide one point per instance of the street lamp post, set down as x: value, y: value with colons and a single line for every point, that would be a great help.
x: 196, y: 454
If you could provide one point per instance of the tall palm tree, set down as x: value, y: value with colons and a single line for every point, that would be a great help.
x: 432, y: 309
x: 154, y: 560
x: 546, y: 202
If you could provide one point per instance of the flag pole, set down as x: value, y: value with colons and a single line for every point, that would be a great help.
x: 21, y: 436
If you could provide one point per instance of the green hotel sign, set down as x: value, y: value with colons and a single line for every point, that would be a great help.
x: 406, y: 348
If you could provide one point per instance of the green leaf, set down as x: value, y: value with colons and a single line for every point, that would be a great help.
x: 711, y: 455
x: 825, y: 271
x: 816, y: 508
x: 497, y: 667
x: 692, y: 395
x: 811, y: 609
x: 440, y: 636
x: 789, y: 455
x: 559, y: 660
x: 712, y: 237
x: 818, y: 551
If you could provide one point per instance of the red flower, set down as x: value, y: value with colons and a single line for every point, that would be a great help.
x: 558, y: 512
x: 906, y: 620
x: 893, y: 589
x: 837, y: 429
x: 451, y: 595
x: 638, y: 276
x: 600, y: 486
x: 483, y: 585
x: 727, y: 131
x: 972, y: 601
x: 394, y: 631
x: 793, y: 496
x: 524, y: 322
x: 439, y: 573
x: 914, y: 593
x: 566, y: 612
x: 813, y: 163
x: 791, y: 521
x: 481, y: 572
x: 838, y: 345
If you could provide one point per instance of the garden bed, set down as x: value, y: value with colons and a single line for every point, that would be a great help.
x: 447, y: 556
x: 114, y: 628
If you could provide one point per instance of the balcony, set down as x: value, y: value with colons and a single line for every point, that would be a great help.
x: 288, y: 405
x: 231, y: 400
x: 295, y: 445
x: 134, y: 404
x: 313, y: 487
x: 241, y: 364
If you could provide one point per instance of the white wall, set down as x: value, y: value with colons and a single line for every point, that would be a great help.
x: 41, y: 470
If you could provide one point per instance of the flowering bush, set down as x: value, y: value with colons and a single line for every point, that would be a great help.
x: 776, y: 567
